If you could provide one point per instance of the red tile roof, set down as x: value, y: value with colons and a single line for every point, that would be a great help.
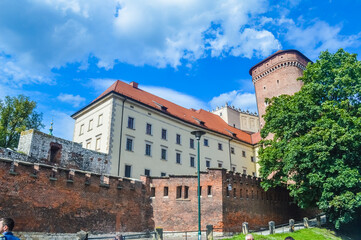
x: 211, y: 121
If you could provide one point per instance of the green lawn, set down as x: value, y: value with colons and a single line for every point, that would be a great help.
x: 304, y: 234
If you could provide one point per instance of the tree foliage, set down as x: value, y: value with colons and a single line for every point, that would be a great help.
x: 315, y: 146
x: 16, y: 115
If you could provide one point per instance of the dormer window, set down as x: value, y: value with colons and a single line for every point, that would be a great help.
x: 232, y: 133
x: 161, y: 107
x: 200, y: 122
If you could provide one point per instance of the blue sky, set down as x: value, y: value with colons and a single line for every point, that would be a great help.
x: 64, y: 53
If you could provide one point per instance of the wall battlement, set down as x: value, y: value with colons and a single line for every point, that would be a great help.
x: 43, y: 198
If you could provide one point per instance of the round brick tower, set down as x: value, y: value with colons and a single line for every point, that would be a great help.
x: 277, y: 75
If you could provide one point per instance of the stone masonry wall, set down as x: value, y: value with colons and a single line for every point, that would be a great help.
x: 42, y: 198
x: 44, y: 148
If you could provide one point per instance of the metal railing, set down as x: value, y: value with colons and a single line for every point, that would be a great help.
x: 146, y: 235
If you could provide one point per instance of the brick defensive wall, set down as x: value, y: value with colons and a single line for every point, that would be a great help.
x: 44, y: 198
x: 227, y: 200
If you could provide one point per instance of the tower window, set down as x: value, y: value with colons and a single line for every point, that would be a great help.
x: 278, y: 81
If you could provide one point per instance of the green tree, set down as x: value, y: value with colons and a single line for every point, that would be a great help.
x: 16, y: 115
x: 315, y: 145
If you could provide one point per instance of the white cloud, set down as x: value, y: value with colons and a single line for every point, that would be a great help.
x: 179, y: 98
x: 320, y: 36
x: 182, y: 99
x: 49, y: 34
x: 244, y: 101
x: 101, y: 84
x: 75, y: 100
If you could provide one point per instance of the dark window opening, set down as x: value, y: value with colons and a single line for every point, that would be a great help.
x: 152, y: 192
x: 128, y: 170
x: 186, y: 191
x: 55, y: 152
x: 191, y: 143
x: 192, y: 164
x: 165, y: 192
x: 179, y: 192
x: 209, y: 192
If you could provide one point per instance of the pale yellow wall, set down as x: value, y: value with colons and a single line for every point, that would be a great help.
x: 117, y: 133
x: 97, y: 137
x: 237, y: 119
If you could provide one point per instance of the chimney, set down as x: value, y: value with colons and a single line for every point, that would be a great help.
x: 134, y: 84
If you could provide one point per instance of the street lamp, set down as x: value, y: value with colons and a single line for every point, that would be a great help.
x: 198, y: 135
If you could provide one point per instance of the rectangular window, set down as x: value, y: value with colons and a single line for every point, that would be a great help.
x: 146, y: 172
x: 192, y: 164
x: 179, y: 192
x: 209, y: 190
x: 243, y: 153
x: 130, y: 122
x: 100, y: 120
x: 178, y: 158
x: 152, y: 192
x: 163, y: 174
x: 165, y: 191
x: 164, y: 154
x: 148, y: 129
x: 253, y: 174
x: 88, y: 144
x: 233, y: 168
x: 178, y: 139
x: 200, y: 190
x: 97, y: 143
x: 90, y: 125
x: 234, y: 193
x: 245, y: 171
x: 128, y: 171
x: 81, y: 129
x: 220, y: 165
x: 208, y: 163
x: 186, y: 191
x: 148, y: 149
x: 129, y: 145
x: 220, y: 147
x: 191, y: 143
x: 252, y: 159
x: 164, y: 134
x: 205, y: 141
x: 232, y: 150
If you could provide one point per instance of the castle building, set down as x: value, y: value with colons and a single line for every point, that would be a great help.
x: 237, y: 118
x: 277, y: 75
x: 144, y: 134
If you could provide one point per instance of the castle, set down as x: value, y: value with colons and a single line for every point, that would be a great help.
x: 131, y: 164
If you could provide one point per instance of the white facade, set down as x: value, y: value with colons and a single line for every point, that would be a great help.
x: 143, y: 140
x: 243, y: 120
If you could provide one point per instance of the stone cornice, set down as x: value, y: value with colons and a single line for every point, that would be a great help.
x: 287, y: 63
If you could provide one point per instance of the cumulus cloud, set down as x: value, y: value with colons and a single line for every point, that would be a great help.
x: 238, y: 99
x: 179, y: 98
x: 320, y: 36
x: 75, y: 100
x: 101, y: 84
x: 50, y: 34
